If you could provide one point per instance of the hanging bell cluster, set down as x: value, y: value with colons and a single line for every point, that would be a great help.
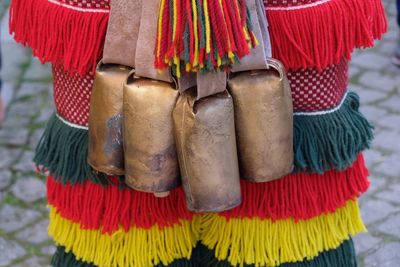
x: 203, y: 131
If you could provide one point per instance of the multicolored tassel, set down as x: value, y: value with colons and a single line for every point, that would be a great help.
x: 202, y: 35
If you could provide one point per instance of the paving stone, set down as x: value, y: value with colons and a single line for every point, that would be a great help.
x: 372, y: 157
x: 34, y: 262
x: 378, y: 81
x: 370, y: 60
x: 10, y: 251
x: 387, y: 256
x: 390, y: 166
x: 372, y: 113
x: 48, y: 250
x: 29, y: 189
x: 376, y: 210
x: 391, y: 194
x: 365, y: 242
x: 35, y: 234
x: 14, y: 137
x: 388, y: 140
x: 25, y: 163
x: 393, y: 103
x: 5, y: 178
x: 7, y: 156
x: 13, y: 218
x: 391, y: 226
x: 367, y: 96
x: 38, y: 70
x: 391, y: 121
x: 31, y: 89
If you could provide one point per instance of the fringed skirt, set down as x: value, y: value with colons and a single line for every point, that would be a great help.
x: 303, y: 219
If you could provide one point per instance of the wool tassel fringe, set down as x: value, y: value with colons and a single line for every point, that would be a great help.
x: 331, y: 139
x: 267, y: 243
x: 136, y: 248
x: 59, y: 34
x: 202, y: 35
x: 62, y: 151
x: 62, y: 258
x: 344, y: 255
x: 251, y: 241
x: 298, y: 196
x: 320, y: 34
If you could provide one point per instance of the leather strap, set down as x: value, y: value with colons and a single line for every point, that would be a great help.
x: 257, y: 59
x: 146, y: 43
x: 122, y: 32
x: 210, y: 83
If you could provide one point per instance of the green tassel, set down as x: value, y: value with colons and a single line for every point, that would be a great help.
x: 63, y: 150
x: 61, y: 258
x: 343, y: 256
x: 332, y: 140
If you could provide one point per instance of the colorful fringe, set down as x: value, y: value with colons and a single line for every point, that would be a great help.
x: 61, y: 34
x: 137, y: 247
x: 66, y: 35
x: 331, y: 139
x: 323, y: 141
x: 343, y: 256
x: 317, y: 34
x: 299, y: 196
x: 240, y: 241
x: 205, y: 35
x: 62, y: 151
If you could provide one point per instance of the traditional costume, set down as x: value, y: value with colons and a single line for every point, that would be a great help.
x: 305, y: 218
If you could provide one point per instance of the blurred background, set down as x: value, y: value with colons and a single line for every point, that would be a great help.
x: 26, y: 93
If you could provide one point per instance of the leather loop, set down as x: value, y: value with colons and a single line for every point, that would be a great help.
x: 146, y: 43
x: 210, y: 83
x: 122, y: 32
x: 257, y: 59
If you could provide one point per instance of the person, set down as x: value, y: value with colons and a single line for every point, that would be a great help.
x: 303, y: 219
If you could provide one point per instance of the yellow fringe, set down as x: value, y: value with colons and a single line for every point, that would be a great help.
x: 268, y: 243
x: 135, y: 248
x: 240, y: 241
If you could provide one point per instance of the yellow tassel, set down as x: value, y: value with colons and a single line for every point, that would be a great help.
x: 136, y: 248
x: 268, y: 243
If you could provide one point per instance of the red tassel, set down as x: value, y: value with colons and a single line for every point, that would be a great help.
x: 61, y: 35
x: 317, y: 35
x: 300, y: 196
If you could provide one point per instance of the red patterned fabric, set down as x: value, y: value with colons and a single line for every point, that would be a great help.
x: 72, y: 95
x: 288, y: 3
x: 314, y: 90
x: 98, y: 4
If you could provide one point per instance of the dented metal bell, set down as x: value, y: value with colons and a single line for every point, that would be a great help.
x: 264, y: 122
x: 206, y: 144
x: 105, y: 128
x: 151, y: 163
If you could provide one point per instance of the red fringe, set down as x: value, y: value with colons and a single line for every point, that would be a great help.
x: 300, y: 196
x: 318, y: 36
x: 58, y: 34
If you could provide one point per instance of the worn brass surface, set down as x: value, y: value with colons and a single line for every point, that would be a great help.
x: 105, y: 132
x: 264, y: 123
x: 151, y: 162
x: 205, y: 137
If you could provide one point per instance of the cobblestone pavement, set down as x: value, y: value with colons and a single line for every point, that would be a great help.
x: 23, y: 213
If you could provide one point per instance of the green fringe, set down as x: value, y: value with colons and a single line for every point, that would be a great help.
x: 321, y: 142
x: 63, y: 150
x: 332, y: 140
x: 343, y: 256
